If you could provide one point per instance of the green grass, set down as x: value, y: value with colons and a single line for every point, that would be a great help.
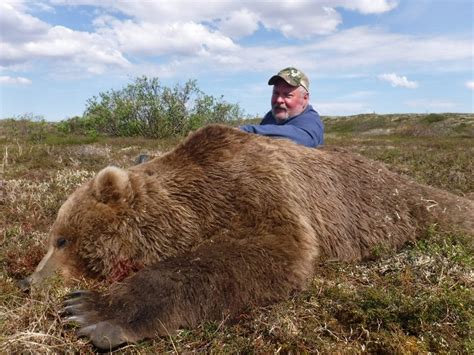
x: 433, y: 117
x: 445, y: 162
x: 416, y: 300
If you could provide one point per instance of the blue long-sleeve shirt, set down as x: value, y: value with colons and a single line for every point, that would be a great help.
x: 306, y: 128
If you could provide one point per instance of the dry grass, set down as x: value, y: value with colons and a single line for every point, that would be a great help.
x: 416, y: 300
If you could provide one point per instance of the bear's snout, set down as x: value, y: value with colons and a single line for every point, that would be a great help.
x: 45, y: 268
x: 24, y: 284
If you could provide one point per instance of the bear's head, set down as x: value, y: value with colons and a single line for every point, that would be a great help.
x: 93, y: 231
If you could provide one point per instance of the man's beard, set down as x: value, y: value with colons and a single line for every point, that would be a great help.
x: 280, y: 113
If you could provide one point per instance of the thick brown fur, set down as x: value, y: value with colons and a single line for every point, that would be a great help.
x: 229, y: 220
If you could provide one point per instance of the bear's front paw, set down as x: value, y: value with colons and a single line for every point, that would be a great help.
x: 81, y: 307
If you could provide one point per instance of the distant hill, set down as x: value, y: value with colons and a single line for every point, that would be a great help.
x: 418, y: 125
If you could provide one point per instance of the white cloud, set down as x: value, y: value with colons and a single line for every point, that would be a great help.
x: 396, y: 80
x: 190, y: 38
x: 25, y: 38
x: 239, y: 23
x: 14, y: 81
x: 65, y: 47
x: 185, y: 39
x: 368, y: 45
x: 470, y: 85
x: 296, y: 19
x: 302, y: 21
x: 370, y: 6
x: 18, y: 26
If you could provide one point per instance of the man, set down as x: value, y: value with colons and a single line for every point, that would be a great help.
x: 291, y: 117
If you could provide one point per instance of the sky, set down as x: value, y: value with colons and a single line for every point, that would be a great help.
x: 362, y: 56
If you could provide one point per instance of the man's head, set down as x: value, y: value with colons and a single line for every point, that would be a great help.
x: 290, y: 93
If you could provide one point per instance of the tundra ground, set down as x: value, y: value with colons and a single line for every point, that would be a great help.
x: 417, y: 300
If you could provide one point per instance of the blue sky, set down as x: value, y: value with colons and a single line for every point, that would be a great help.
x: 383, y: 56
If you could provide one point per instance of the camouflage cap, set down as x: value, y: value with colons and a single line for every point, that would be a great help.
x: 292, y: 76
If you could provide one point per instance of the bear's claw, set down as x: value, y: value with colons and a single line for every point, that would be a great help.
x: 77, y: 319
x: 72, y: 302
x: 78, y: 308
x: 77, y: 294
x: 69, y: 310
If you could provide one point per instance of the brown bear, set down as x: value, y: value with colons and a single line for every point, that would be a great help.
x: 226, y: 221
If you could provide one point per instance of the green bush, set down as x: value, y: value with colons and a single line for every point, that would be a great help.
x: 146, y: 108
x: 433, y: 118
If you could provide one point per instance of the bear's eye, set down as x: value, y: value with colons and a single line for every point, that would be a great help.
x: 61, y: 243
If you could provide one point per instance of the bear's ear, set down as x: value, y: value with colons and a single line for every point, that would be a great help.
x: 112, y: 185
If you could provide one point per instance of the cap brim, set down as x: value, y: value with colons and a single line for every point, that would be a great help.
x: 273, y: 80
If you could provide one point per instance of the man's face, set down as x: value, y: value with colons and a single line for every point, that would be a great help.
x: 288, y: 101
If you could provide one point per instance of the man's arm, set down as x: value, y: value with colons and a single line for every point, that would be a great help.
x: 302, y: 135
x: 306, y: 129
